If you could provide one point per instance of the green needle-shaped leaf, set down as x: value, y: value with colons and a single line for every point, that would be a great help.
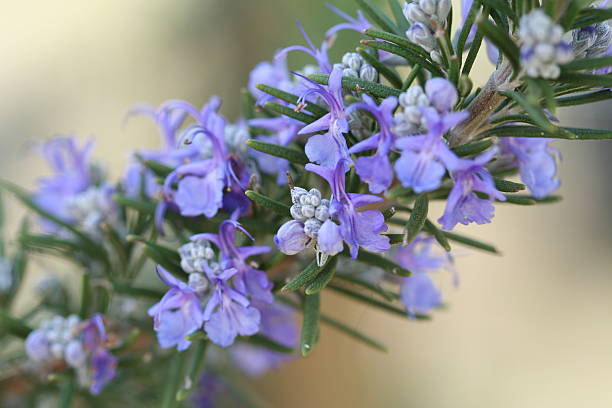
x: 398, y: 14
x: 412, y: 57
x: 378, y: 17
x: 291, y: 98
x: 473, y: 148
x: 159, y: 169
x: 326, y: 275
x: 587, y: 63
x: 384, y: 306
x: 438, y: 234
x: 532, y: 131
x: 592, y: 16
x: 355, y: 334
x: 400, y: 41
x: 267, y: 202
x: 508, y: 186
x: 417, y: 219
x: 584, y: 98
x: 168, y: 258
x: 288, y: 153
x: 193, y: 370
x: 356, y: 84
x: 310, y: 326
x: 284, y: 110
x: 10, y: 325
x: 87, y: 244
x: 262, y: 341
x: 372, y: 287
x: 470, y: 242
x: 310, y: 272
x: 379, y: 261
x: 590, y: 80
x: 502, y: 40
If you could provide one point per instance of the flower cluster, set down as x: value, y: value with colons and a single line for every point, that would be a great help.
x: 328, y: 174
x: 426, y: 18
x: 82, y: 345
x: 543, y: 48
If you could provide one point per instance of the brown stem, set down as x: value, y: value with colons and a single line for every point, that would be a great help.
x: 481, y: 107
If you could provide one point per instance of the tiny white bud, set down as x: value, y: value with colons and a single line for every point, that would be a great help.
x: 368, y: 73
x: 308, y: 211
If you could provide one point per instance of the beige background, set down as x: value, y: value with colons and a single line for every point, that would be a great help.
x: 530, y: 329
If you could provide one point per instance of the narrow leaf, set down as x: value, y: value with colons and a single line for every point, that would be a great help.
x: 356, y: 84
x: 470, y: 242
x: 287, y: 153
x: 380, y: 261
x: 168, y: 258
x: 590, y: 80
x: 305, y: 277
x: 399, y: 40
x: 473, y: 148
x: 262, y: 341
x: 398, y: 14
x: 378, y: 17
x: 357, y: 335
x: 508, y: 186
x: 585, y: 98
x: 384, y: 306
x: 285, y: 110
x: 310, y: 325
x: 15, y: 327
x: 417, y: 218
x: 326, y: 275
x: 501, y: 40
x: 587, y: 63
x: 267, y: 202
x: 315, y: 109
x: 409, y: 55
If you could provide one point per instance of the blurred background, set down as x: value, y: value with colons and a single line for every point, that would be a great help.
x: 530, y: 329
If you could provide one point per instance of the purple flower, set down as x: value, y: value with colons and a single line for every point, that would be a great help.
x: 178, y: 314
x: 291, y: 238
x: 327, y: 149
x: 376, y: 170
x: 228, y: 312
x: 285, y: 130
x: 359, y: 24
x: 418, y: 292
x: 216, y: 180
x: 277, y: 324
x: 213, y: 391
x: 249, y: 281
x: 463, y: 205
x: 37, y: 347
x: 422, y: 163
x: 102, y: 364
x: 71, y: 177
x: 537, y: 163
x: 273, y: 74
x: 320, y: 55
x: 357, y: 229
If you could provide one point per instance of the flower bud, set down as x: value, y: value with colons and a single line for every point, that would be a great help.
x: 311, y: 227
x: 349, y: 72
x: 368, y: 73
x: 422, y: 35
x: 322, y: 213
x: 296, y: 212
x: 308, y: 211
x: 290, y: 238
x: 441, y: 93
x: 352, y: 60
